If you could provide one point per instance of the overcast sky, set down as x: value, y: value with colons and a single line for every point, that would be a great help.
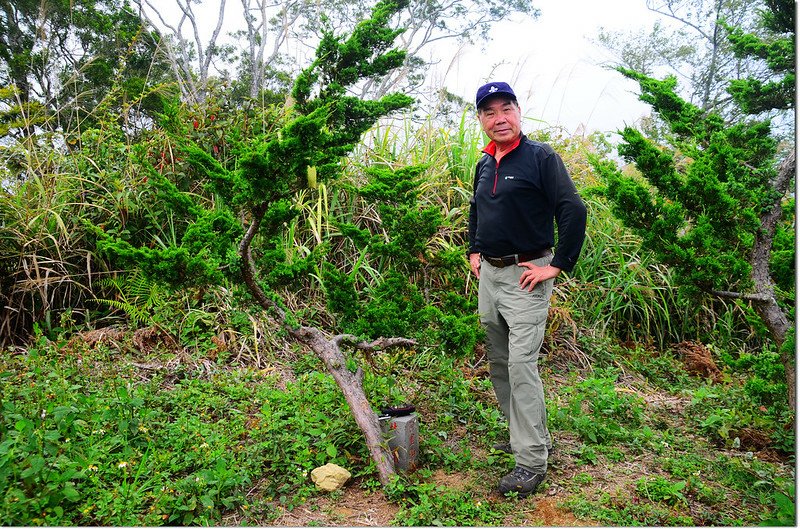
x: 551, y: 62
x: 553, y: 65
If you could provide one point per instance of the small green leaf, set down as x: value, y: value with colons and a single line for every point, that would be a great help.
x: 70, y: 494
x: 207, y: 502
x: 22, y: 424
x: 37, y: 463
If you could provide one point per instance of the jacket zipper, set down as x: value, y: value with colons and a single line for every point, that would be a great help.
x: 496, y: 175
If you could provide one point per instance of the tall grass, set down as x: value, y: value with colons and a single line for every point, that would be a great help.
x: 44, y: 255
x: 616, y: 290
x: 58, y: 187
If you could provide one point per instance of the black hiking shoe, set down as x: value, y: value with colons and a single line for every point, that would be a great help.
x: 522, y: 481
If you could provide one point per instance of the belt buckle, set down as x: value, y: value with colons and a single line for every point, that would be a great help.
x: 497, y: 262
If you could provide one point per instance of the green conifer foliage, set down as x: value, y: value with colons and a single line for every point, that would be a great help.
x: 404, y: 302
x: 757, y: 95
x: 714, y: 203
x: 697, y: 209
x: 317, y: 127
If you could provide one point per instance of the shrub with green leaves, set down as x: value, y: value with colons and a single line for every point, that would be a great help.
x: 82, y: 449
x: 597, y: 410
x: 660, y: 489
x: 766, y: 383
x: 427, y: 504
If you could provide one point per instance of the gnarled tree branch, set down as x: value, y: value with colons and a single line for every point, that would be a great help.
x: 741, y: 295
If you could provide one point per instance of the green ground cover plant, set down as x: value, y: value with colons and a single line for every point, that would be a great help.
x: 208, y: 415
x: 105, y: 435
x: 137, y: 402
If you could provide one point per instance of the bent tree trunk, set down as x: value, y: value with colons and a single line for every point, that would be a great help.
x: 329, y: 351
x: 774, y: 317
x: 352, y: 387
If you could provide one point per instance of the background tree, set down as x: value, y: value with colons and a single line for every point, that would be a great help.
x: 191, y: 58
x: 235, y: 233
x: 63, y: 57
x: 691, y: 43
x: 257, y: 59
x: 715, y: 204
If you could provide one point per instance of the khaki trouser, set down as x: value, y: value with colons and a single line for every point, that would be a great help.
x: 515, y: 320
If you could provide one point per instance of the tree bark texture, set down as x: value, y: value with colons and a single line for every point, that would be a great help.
x: 774, y: 317
x: 352, y: 387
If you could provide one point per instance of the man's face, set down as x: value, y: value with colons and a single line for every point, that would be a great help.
x: 500, y: 119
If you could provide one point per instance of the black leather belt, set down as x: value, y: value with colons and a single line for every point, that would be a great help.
x: 508, y: 260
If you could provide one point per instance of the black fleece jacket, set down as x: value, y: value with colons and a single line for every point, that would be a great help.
x: 515, y: 202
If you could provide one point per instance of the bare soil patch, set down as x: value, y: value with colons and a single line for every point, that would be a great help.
x: 545, y: 512
x: 353, y: 507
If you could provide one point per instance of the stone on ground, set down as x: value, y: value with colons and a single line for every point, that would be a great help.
x: 329, y: 477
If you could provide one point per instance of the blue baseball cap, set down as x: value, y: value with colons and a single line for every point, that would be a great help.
x: 493, y: 89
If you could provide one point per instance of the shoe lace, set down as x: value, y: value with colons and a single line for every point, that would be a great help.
x: 522, y: 473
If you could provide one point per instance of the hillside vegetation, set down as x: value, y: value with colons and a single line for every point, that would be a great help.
x: 139, y: 404
x: 202, y: 303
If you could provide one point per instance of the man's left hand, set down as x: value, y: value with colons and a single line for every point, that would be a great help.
x: 535, y: 274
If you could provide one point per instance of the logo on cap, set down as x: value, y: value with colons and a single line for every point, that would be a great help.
x: 492, y: 89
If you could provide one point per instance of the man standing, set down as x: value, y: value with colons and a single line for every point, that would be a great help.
x: 521, y: 188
